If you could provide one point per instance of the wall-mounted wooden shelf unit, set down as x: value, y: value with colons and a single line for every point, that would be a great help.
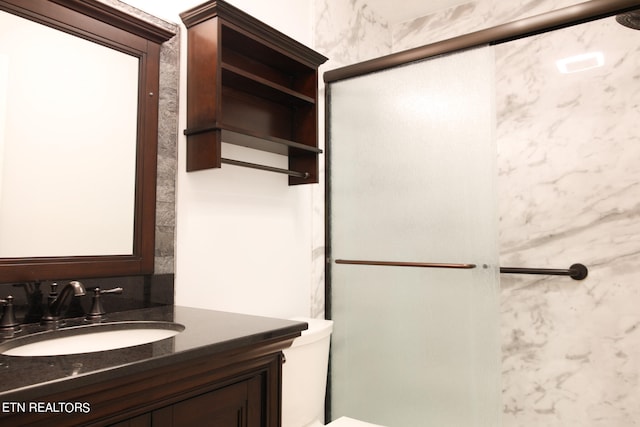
x: 248, y: 84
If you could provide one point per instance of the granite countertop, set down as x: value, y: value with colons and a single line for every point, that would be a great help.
x: 206, y: 332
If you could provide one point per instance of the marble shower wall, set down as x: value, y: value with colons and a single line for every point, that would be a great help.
x: 569, y: 189
x: 349, y: 31
x: 467, y: 18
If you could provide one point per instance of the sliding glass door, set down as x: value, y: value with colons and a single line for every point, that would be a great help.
x: 413, y: 274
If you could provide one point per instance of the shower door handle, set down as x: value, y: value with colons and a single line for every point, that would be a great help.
x: 406, y: 264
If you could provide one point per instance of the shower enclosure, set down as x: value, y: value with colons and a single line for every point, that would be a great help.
x: 414, y: 181
x: 413, y: 267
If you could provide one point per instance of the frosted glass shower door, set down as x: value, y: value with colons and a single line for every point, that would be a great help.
x: 412, y: 179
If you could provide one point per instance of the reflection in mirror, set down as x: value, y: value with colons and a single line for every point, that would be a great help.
x: 65, y: 190
x: 78, y: 170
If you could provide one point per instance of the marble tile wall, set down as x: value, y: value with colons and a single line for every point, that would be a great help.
x: 349, y: 31
x: 569, y: 187
x: 467, y: 18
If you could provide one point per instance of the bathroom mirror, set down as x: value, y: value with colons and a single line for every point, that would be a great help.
x: 78, y: 140
x: 62, y: 193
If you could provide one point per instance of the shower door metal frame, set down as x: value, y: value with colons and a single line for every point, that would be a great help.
x: 561, y: 18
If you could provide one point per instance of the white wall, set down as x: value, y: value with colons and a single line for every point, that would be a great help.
x: 243, y: 236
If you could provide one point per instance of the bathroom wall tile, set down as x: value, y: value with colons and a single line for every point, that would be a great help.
x: 442, y: 25
x: 569, y: 193
x: 167, y: 157
x: 318, y: 253
x: 317, y: 284
x: 349, y: 31
x: 467, y: 18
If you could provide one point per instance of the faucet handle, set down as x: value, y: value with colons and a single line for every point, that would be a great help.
x: 53, y: 294
x: 53, y: 290
x: 117, y: 290
x: 8, y: 320
x: 97, y: 311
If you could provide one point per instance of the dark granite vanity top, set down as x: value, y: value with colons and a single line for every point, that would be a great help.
x: 206, y: 332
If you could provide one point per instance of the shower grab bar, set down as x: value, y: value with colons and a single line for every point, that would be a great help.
x: 406, y: 264
x: 576, y: 271
x: 303, y: 175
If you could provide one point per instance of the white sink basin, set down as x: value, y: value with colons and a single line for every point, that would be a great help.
x: 90, y: 338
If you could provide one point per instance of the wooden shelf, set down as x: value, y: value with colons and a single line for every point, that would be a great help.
x: 250, y: 85
x: 237, y: 136
x: 239, y: 79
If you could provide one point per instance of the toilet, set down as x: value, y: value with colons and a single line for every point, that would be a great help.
x: 304, y: 379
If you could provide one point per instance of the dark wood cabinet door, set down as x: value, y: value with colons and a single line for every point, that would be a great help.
x: 231, y: 406
x: 143, y: 420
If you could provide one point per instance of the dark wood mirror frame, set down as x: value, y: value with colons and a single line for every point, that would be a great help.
x: 97, y: 22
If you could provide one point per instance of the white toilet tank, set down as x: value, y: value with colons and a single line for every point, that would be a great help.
x: 304, y: 375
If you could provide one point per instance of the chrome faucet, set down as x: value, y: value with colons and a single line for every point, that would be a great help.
x: 59, y: 302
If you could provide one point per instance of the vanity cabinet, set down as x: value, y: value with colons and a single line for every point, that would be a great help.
x: 210, y: 391
x: 243, y: 400
x: 250, y: 85
x: 223, y: 370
